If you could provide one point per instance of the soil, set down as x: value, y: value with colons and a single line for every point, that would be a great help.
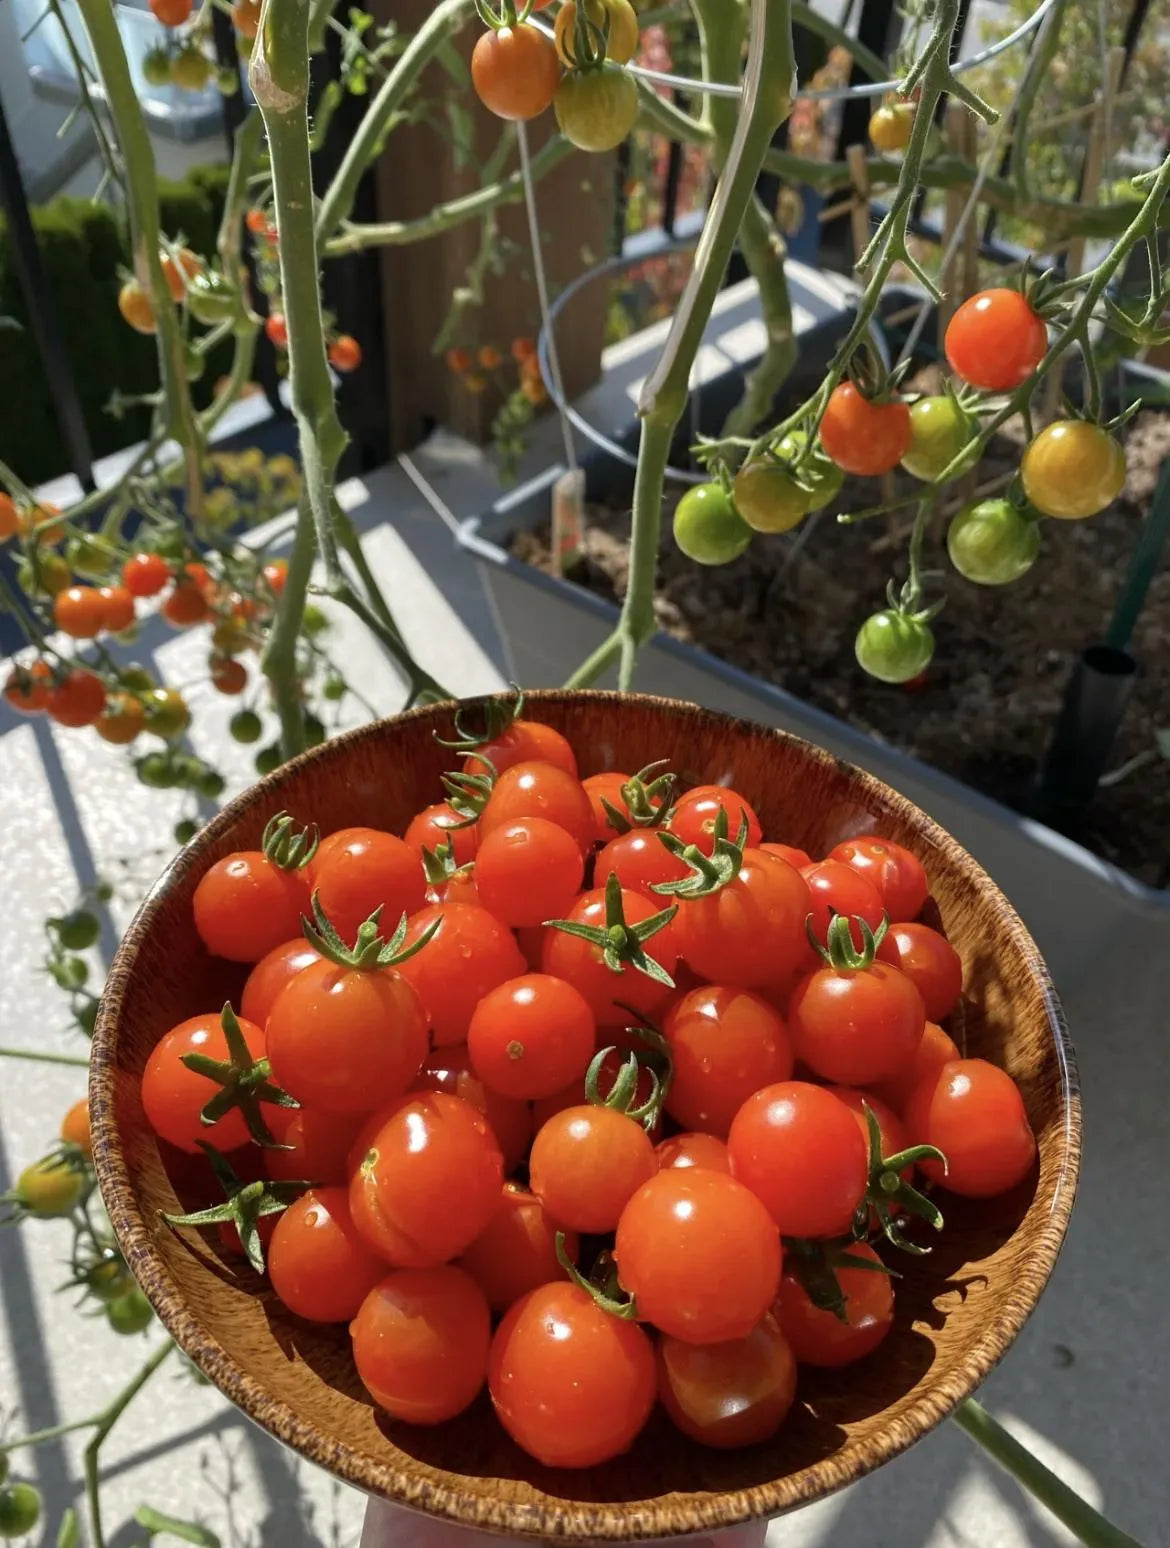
x: 789, y: 609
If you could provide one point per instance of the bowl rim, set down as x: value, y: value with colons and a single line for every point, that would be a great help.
x: 588, y: 1520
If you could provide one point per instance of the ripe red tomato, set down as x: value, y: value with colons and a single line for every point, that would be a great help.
x: 531, y: 1036
x: 700, y: 1255
x: 370, y: 870
x: 318, y: 1142
x: 515, y: 71
x: 528, y: 871
x: 974, y: 1113
x: 270, y: 975
x: 172, y: 13
x: 863, y: 436
x: 799, y: 858
x: 586, y: 1164
x: 227, y: 676
x: 231, y: 1242
x: 750, y: 932
x: 694, y: 814
x: 639, y: 860
x: 245, y: 906
x: 145, y: 575
x: 995, y: 340
x: 820, y: 1337
x: 78, y: 699
x: 276, y: 330
x: 931, y: 964
x: 174, y: 1096
x: 346, y: 1039
x: 732, y: 1394
x: 582, y: 964
x: 854, y: 1027
x: 573, y: 1095
x: 525, y: 741
x: 437, y: 824
x: 836, y: 888
x: 539, y: 790
x: 345, y: 353
x: 686, y: 1150
x: 800, y: 1151
x: 78, y: 612
x: 331, y: 844
x: 29, y: 688
x: 897, y: 876
x: 470, y: 954
x: 891, y: 1127
x: 570, y: 1383
x: 725, y: 1044
x: 935, y: 1050
x: 420, y: 1342
x: 449, y: 1069
x: 117, y: 608
x: 599, y: 787
x: 517, y: 1250
x: 319, y: 1266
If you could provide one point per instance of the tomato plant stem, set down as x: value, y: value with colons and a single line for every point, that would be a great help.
x: 104, y: 1423
x: 278, y: 661
x: 1085, y: 1523
x: 39, y: 1057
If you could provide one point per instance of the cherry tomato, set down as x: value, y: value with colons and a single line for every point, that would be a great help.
x: 185, y: 605
x: 820, y: 1337
x: 768, y: 496
x: 896, y: 874
x: 528, y: 870
x: 708, y: 528
x: 525, y: 741
x: 935, y: 1050
x: 539, y: 790
x: 596, y: 109
x: 583, y: 965
x: 993, y: 542
x: 227, y: 676
x: 639, y: 860
x: 800, y: 858
x: 438, y: 824
x: 1072, y: 469
x: 606, y: 786
x: 246, y: 17
x: 276, y: 330
x: 318, y: 1264
x: 974, y: 1113
x: 332, y: 843
x: 178, y: 272
x: 695, y: 813
x: 700, y: 1255
x: 75, y: 1128
x: 29, y: 689
x: 854, y: 1027
x: 515, y: 71
x: 731, y: 1394
x: 800, y: 1151
x: 420, y: 1343
x: 49, y: 1188
x: 370, y: 870
x: 531, y: 1036
x: 145, y: 575
x: 751, y: 931
x: 271, y: 973
x: 245, y: 906
x: 122, y: 719
x: 172, y: 13
x: 174, y: 1096
x: 687, y: 1150
x: 570, y: 1383
x: 931, y: 964
x: 516, y: 1251
x: 724, y: 1045
x: 20, y: 1509
x: 136, y: 308
x: 891, y: 126
x: 587, y: 1163
x: 78, y: 612
x: 622, y: 41
x: 449, y: 1069
x: 470, y: 954
x: 318, y: 1146
x: 573, y: 1095
x: 9, y: 517
x: 939, y: 430
x: 821, y: 477
x: 275, y: 574
x: 995, y: 340
x: 346, y: 1039
x: 345, y: 353
x: 891, y: 1127
x: 864, y: 436
x: 78, y: 699
x: 167, y: 714
x: 893, y: 646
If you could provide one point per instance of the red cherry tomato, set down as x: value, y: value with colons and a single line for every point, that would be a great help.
x: 539, y: 790
x: 117, y: 607
x: 573, y: 1095
x: 528, y: 871
x: 319, y: 1266
x: 800, y: 1151
x: 437, y: 824
x: 694, y: 815
x: 449, y: 1069
x: 607, y: 787
x: 639, y: 860
x: 751, y: 931
x: 28, y: 689
x: 174, y: 1096
x: 897, y: 876
x: 531, y: 1036
x: 728, y: 1395
x: 995, y: 340
x: 684, y: 1150
x: 725, y: 1044
x: 974, y: 1113
x: 78, y: 699
x: 587, y: 1163
x: 420, y: 1343
x: 930, y: 962
x: 836, y: 888
x: 266, y: 980
x: 525, y: 741
x: 331, y: 844
x: 246, y: 906
x: 819, y: 1337
x: 862, y: 436
x: 79, y: 612
x: 516, y: 1251
x: 799, y: 858
x: 373, y: 870
x: 232, y: 1243
x: 935, y: 1050
x: 700, y: 1255
x: 318, y: 1146
x: 855, y: 1027
x: 893, y: 1130
x: 581, y: 963
x: 145, y: 575
x: 570, y: 1383
x: 469, y: 955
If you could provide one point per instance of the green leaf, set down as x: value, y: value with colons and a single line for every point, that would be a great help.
x: 462, y: 129
x: 157, y: 1524
x: 67, y: 1533
x: 452, y: 61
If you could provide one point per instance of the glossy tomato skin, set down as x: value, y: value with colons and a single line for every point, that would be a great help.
x: 820, y: 1338
x: 525, y: 741
x: 528, y: 871
x: 271, y: 974
x: 995, y: 340
x: 751, y: 931
x: 581, y: 963
x: 319, y: 1266
x: 515, y: 71
x: 539, y: 790
x: 344, y: 1039
x: 516, y: 1251
x: 893, y: 1130
x: 768, y: 496
x: 420, y: 1342
x: 936, y: 1049
x: 695, y: 814
x: 897, y: 875
x: 145, y: 575
x: 640, y: 861
x: 862, y: 436
x: 930, y: 962
x: 1072, y: 470
x: 586, y: 1164
x: 531, y: 1036
x: 893, y: 646
x: 732, y: 1394
x: 571, y: 1384
x: 724, y: 1045
x: 78, y: 612
x: 800, y: 1151
x: 441, y: 823
x: 800, y: 858
x: 973, y: 1112
x: 993, y: 542
x: 319, y: 1144
x: 836, y: 888
x: 373, y: 870
x: 468, y: 956
x: 596, y: 109
x: 707, y: 527
x: 510, y: 1121
x: 856, y: 1027
x: 697, y: 1149
x: 939, y: 430
x: 607, y: 786
x: 78, y: 699
x: 28, y: 689
x: 700, y: 1255
x: 245, y: 906
x: 174, y: 1096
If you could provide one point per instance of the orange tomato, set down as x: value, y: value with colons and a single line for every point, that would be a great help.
x: 134, y: 305
x: 121, y: 720
x: 345, y: 353
x: 27, y: 689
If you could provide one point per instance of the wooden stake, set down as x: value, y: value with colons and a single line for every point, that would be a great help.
x: 856, y: 161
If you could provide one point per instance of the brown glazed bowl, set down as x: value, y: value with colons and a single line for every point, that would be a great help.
x: 958, y: 1310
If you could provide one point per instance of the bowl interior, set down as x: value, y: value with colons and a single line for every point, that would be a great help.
x: 957, y: 1310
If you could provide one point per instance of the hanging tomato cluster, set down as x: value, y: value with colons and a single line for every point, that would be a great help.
x: 631, y: 1106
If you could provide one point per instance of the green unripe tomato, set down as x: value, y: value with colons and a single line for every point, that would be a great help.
x: 185, y: 830
x: 157, y: 771
x: 20, y: 1509
x: 822, y: 478
x: 86, y: 557
x: 191, y: 70
x: 137, y: 679
x: 210, y: 298
x: 313, y: 620
x: 992, y: 542
x: 939, y: 430
x: 246, y: 726
x: 708, y: 528
x: 268, y: 759
x: 893, y: 647
x: 130, y: 1313
x: 596, y: 109
x: 210, y: 784
x: 70, y: 973
x: 228, y: 81
x: 78, y: 930
x: 109, y: 1279
x: 334, y: 688
x: 768, y: 497
x: 167, y: 714
x: 156, y: 67
x: 50, y: 575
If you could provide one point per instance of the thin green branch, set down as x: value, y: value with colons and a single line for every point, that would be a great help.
x: 278, y: 661
x: 44, y: 1058
x: 106, y: 1421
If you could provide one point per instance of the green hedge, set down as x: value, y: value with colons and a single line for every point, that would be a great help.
x: 83, y: 245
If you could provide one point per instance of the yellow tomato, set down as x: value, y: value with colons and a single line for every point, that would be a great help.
x: 623, y: 29
x: 1072, y: 469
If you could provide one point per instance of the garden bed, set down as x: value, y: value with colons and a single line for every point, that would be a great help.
x: 986, y: 710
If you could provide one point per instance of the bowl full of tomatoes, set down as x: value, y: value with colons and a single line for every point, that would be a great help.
x: 604, y: 1120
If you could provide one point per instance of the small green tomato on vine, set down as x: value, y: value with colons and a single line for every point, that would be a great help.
x: 707, y: 526
x: 894, y: 646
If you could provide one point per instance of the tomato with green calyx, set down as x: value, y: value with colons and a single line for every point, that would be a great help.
x: 817, y: 1335
x: 587, y: 1162
x: 993, y: 542
x: 175, y: 1094
x: 75, y: 1128
x: 639, y: 860
x: 821, y: 476
x: 371, y: 869
x: 1072, y: 470
x: 768, y: 496
x: 620, y: 951
x: 156, y: 67
x: 210, y: 298
x: 515, y: 71
x: 167, y: 714
x: 894, y: 646
x: 973, y: 1112
x: 596, y: 108
x: 27, y: 688
x: 20, y: 1509
x: 517, y: 1250
x: 191, y: 70
x: 995, y: 340
x: 864, y: 435
x: 252, y: 901
x: 49, y: 1188
x: 77, y: 931
x: 939, y: 430
x: 621, y: 43
x: 731, y: 1394
x: 130, y: 1313
x: 707, y: 526
x: 891, y: 126
x: 108, y: 1279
